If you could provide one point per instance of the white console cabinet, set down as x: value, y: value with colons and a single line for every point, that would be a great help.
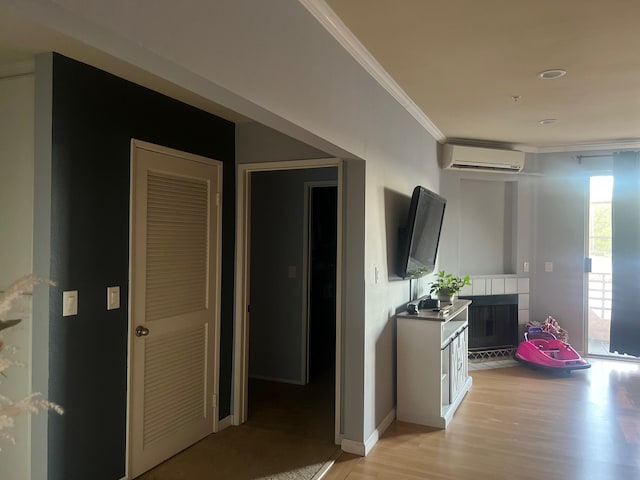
x: 433, y: 374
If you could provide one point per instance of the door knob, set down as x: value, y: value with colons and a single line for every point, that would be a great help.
x: 141, y: 331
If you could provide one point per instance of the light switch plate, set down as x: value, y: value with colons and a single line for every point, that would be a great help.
x: 548, y: 266
x: 69, y: 303
x: 113, y: 298
x: 291, y: 273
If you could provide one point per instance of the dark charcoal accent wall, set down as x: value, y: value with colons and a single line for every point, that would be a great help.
x: 95, y: 115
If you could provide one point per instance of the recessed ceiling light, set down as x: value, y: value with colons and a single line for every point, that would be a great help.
x: 547, y: 121
x: 555, y: 73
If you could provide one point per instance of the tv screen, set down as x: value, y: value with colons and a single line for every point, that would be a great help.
x: 420, y: 238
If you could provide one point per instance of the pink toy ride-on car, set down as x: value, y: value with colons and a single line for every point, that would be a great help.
x: 542, y: 349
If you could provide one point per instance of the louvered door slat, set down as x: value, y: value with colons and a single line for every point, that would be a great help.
x: 177, y: 212
x: 176, y: 393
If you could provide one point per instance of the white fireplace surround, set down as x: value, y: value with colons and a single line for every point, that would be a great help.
x: 502, y: 285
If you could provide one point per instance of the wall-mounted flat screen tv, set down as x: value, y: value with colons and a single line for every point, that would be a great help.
x: 420, y: 237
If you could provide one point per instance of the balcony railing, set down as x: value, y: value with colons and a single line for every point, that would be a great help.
x: 600, y: 294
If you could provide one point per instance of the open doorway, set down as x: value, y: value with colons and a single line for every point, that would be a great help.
x: 292, y: 271
x: 600, y: 277
x: 273, y: 333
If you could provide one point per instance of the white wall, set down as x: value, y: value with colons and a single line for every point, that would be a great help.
x: 16, y: 238
x: 458, y: 236
x: 257, y: 143
x: 487, y: 226
x: 393, y: 170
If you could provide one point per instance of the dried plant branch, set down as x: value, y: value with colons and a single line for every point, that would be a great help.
x: 5, y: 363
x: 30, y: 404
x: 9, y: 410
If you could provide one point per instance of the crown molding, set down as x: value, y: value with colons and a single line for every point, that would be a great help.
x: 633, y: 144
x: 332, y: 23
x: 568, y: 148
x: 610, y: 146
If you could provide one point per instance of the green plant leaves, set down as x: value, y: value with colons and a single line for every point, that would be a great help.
x: 448, y: 283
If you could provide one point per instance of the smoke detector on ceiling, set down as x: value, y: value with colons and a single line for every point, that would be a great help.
x: 554, y: 73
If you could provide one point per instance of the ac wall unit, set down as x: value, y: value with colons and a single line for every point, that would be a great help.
x: 459, y: 157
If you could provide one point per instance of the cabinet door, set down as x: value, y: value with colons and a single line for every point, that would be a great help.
x: 464, y: 348
x: 445, y: 378
x: 453, y: 373
x: 457, y: 370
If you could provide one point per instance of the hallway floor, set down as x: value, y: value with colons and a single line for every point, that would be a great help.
x: 289, y: 435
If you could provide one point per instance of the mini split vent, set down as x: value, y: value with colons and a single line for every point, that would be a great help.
x: 458, y: 157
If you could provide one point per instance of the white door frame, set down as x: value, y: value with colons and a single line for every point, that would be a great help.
x: 241, y: 301
x: 214, y: 359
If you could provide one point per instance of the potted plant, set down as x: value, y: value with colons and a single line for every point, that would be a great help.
x: 447, y: 286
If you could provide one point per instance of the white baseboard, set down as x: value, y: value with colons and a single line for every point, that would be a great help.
x: 225, y: 422
x: 363, y: 449
x: 349, y: 446
x: 379, y: 431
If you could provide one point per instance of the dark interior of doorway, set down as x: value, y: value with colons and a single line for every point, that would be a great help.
x: 310, y: 407
x: 322, y: 282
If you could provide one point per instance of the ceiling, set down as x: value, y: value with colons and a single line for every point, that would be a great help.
x: 462, y: 62
x: 456, y: 65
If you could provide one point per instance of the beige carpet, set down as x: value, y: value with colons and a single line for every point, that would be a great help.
x: 289, y: 436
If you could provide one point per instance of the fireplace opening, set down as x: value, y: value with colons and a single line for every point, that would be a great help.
x: 493, y: 325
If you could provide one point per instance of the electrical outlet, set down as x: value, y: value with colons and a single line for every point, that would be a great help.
x: 548, y: 266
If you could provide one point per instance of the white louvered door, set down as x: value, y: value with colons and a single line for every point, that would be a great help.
x: 174, y: 303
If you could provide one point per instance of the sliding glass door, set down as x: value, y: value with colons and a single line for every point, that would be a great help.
x: 600, y: 277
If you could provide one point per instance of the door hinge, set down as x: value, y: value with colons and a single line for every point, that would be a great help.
x: 214, y: 399
x: 587, y: 265
x: 217, y: 199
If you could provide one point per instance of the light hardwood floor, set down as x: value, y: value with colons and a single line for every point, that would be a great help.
x: 517, y: 423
